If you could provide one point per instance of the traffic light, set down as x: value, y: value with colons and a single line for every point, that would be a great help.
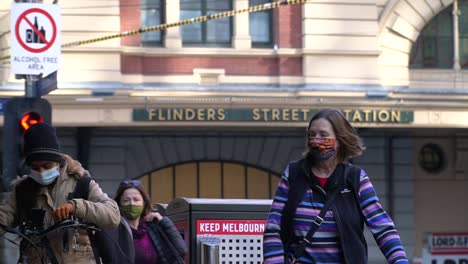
x: 29, y: 119
x: 19, y: 115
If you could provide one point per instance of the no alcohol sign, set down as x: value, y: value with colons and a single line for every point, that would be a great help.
x: 35, y: 38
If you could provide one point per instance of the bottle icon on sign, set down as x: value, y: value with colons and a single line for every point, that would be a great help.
x: 42, y: 31
x: 29, y: 36
x: 32, y: 35
x: 35, y: 36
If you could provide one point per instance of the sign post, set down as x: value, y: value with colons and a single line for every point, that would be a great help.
x: 35, y: 52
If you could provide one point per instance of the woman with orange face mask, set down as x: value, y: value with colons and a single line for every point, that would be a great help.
x: 323, y: 202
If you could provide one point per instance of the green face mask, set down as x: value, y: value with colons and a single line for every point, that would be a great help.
x: 132, y: 212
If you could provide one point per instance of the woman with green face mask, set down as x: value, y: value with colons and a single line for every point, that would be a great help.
x: 155, y: 237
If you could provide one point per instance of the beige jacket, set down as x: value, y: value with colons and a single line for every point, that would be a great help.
x: 98, y: 209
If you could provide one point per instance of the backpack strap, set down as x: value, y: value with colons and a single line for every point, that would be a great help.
x: 297, y: 188
x: 81, y: 189
x: 315, y: 226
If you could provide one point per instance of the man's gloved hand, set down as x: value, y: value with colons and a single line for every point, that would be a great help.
x: 62, y: 212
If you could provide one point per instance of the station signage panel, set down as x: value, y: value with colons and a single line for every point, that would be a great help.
x: 369, y: 116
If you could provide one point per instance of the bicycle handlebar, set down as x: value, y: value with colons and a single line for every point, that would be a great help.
x: 14, y: 231
x: 71, y: 222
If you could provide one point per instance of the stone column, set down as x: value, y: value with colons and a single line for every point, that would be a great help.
x: 241, y: 38
x: 172, y: 37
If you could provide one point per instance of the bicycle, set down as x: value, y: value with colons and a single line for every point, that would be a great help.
x: 33, y: 235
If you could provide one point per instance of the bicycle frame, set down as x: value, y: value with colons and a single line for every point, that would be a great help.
x: 37, y: 237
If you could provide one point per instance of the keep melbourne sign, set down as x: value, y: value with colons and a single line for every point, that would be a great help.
x: 35, y: 38
x: 230, y: 227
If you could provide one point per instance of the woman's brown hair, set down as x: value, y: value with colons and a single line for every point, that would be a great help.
x: 350, y: 143
x: 136, y: 184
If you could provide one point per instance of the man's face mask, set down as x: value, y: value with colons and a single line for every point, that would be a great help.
x: 132, y: 212
x: 45, y: 177
x: 322, y: 148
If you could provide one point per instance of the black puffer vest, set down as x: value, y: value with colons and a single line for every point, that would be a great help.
x: 346, y: 208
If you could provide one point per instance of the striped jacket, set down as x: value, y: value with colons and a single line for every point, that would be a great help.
x: 340, y: 238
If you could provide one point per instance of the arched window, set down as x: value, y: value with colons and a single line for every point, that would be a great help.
x: 434, y: 47
x: 210, y: 179
x: 463, y: 30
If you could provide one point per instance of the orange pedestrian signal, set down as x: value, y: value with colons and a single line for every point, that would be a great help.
x: 29, y: 119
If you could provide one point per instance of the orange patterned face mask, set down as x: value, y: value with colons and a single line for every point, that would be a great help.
x: 322, y: 148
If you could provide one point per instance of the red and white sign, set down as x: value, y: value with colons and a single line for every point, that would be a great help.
x: 446, y: 248
x: 230, y: 227
x: 35, y: 38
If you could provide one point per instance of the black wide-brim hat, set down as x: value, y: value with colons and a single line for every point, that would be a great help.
x: 41, y: 143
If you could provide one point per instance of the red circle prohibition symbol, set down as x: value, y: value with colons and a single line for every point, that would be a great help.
x: 22, y: 17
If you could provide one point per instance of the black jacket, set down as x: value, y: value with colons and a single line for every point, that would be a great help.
x: 168, y: 241
x: 116, y: 245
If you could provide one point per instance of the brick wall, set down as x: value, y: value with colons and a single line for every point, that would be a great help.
x: 288, y: 26
x: 130, y: 20
x: 232, y: 65
x: 287, y: 30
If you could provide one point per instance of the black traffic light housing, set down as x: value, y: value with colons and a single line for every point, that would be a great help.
x: 19, y: 114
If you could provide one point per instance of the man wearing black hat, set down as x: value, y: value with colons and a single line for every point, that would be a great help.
x: 53, y: 176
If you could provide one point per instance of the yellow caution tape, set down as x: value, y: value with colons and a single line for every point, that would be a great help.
x: 184, y: 22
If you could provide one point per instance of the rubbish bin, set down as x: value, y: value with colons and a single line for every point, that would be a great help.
x: 237, y: 223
